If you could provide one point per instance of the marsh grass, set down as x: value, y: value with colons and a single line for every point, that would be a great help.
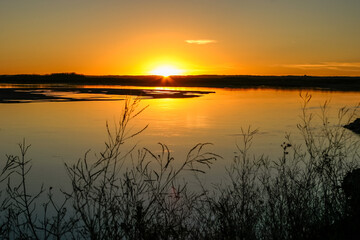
x: 296, y: 196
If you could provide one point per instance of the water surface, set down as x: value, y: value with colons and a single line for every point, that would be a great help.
x: 62, y: 132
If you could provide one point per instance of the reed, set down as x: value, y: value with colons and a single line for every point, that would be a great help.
x: 299, y: 195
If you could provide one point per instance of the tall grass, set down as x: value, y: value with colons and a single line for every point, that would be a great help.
x: 299, y: 195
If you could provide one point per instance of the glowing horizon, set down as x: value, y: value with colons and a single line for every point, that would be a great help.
x: 225, y: 38
x: 166, y: 71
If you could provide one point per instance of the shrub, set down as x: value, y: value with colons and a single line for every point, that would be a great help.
x: 300, y: 195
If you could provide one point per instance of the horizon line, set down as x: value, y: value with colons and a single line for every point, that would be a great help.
x: 176, y: 75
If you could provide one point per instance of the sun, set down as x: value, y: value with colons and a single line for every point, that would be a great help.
x: 166, y: 71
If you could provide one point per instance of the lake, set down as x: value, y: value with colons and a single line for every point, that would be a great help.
x: 61, y: 132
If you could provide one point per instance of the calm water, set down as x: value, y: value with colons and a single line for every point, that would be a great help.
x: 62, y: 132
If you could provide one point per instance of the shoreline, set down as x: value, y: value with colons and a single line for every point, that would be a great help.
x: 71, y: 94
x: 67, y: 87
x: 335, y: 83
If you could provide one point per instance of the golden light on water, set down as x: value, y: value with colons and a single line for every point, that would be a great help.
x: 166, y: 71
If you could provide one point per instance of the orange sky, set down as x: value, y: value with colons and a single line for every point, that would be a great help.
x: 262, y: 37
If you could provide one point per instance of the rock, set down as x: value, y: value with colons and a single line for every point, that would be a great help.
x: 354, y: 126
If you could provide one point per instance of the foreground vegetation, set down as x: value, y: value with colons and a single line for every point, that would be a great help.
x: 310, y: 192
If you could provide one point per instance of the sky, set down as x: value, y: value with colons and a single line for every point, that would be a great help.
x: 136, y: 37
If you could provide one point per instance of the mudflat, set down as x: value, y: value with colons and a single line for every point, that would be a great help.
x: 76, y: 87
x: 65, y: 94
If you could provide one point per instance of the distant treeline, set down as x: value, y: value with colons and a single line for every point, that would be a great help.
x: 218, y: 81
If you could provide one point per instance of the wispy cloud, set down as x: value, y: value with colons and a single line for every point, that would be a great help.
x: 201, y: 41
x: 340, y: 66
